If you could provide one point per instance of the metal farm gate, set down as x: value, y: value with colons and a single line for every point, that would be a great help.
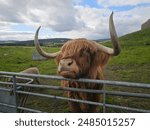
x: 11, y: 102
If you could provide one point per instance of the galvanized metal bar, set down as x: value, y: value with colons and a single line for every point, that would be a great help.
x: 115, y: 93
x: 6, y: 83
x: 60, y: 88
x: 128, y: 108
x: 7, y: 105
x: 29, y: 109
x: 107, y: 82
x: 5, y: 89
x: 11, y: 83
x: 59, y: 97
x: 25, y: 78
x: 84, y: 101
x: 129, y: 94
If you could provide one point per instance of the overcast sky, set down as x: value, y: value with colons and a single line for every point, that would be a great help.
x: 70, y: 18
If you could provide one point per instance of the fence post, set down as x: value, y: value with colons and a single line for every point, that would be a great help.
x: 104, y: 99
x: 14, y: 89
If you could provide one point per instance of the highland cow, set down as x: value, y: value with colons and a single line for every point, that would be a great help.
x: 82, y: 58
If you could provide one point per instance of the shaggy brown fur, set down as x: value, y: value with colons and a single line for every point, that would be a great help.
x: 91, y: 63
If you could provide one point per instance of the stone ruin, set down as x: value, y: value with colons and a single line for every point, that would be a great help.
x: 145, y: 25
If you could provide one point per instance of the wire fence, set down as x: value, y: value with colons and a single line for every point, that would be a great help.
x: 15, y: 102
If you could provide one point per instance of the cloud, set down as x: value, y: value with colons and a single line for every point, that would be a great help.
x: 108, y: 3
x: 69, y: 18
x: 11, y: 12
x: 16, y: 35
x: 96, y: 22
x: 131, y: 20
x: 59, y: 16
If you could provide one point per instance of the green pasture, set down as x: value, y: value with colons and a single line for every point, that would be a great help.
x: 132, y: 65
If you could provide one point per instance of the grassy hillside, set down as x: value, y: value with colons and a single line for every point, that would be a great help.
x: 133, y: 64
x: 137, y: 38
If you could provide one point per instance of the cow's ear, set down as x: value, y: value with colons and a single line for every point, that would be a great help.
x: 101, y: 59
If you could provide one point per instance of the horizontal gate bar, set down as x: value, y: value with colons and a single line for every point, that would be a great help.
x: 138, y: 95
x: 29, y: 109
x: 5, y: 89
x: 58, y: 97
x: 25, y: 78
x: 21, y: 108
x: 127, y: 108
x: 84, y: 101
x: 116, y: 83
x: 7, y: 105
x: 106, y: 82
x: 6, y: 83
x: 116, y: 93
x: 61, y: 88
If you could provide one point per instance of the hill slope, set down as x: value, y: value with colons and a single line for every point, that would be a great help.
x: 31, y: 42
x: 133, y: 64
x: 136, y: 38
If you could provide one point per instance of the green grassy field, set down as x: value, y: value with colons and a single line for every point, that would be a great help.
x: 133, y: 64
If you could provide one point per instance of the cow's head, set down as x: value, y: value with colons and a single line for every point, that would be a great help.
x: 79, y: 57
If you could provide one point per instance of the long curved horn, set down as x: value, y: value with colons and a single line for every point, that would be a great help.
x: 114, y: 39
x: 40, y: 50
